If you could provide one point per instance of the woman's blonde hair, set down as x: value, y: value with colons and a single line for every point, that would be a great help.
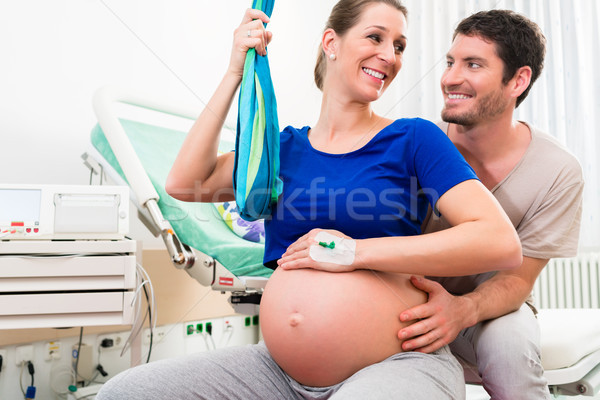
x: 344, y: 15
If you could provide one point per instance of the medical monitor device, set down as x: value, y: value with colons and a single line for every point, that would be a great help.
x: 63, y: 212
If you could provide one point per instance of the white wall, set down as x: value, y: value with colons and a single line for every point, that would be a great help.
x: 54, y: 55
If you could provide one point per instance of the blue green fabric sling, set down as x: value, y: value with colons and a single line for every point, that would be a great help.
x: 256, y: 170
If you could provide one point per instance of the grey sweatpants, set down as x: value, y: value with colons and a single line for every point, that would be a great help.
x: 249, y: 373
x: 504, y: 355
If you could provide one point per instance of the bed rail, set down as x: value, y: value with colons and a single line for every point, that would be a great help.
x: 103, y: 103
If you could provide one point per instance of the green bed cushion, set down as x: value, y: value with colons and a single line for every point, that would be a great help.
x: 199, y: 225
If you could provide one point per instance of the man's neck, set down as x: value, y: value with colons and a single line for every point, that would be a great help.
x: 492, y: 148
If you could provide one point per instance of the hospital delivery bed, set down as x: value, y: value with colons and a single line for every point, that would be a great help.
x: 202, y: 238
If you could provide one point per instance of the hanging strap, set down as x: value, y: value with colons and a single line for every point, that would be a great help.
x: 256, y: 170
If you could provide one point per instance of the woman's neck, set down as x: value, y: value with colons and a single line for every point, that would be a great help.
x: 345, y: 126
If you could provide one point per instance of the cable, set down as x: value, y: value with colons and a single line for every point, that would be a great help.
x: 229, y: 329
x: 181, y: 318
x: 106, y: 343
x: 101, y: 370
x: 21, y: 378
x: 93, y: 378
x: 99, y: 367
x: 205, y: 340
x: 31, y: 371
x: 137, y: 326
x: 212, y: 341
x: 30, y: 393
x: 86, y: 396
x: 210, y: 336
x: 150, y: 323
x: 78, y: 350
x: 134, y: 327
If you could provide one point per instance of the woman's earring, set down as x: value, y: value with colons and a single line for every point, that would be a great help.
x: 332, y: 57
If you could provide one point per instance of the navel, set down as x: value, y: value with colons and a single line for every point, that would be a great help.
x: 295, y: 319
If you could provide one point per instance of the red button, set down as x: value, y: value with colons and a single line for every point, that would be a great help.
x: 36, y: 230
x: 28, y: 230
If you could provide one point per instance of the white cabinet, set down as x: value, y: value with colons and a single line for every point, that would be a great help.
x: 66, y: 283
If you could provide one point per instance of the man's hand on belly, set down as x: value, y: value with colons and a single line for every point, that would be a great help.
x: 438, y: 322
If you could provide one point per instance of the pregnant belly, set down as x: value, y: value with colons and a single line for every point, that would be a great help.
x: 323, y: 327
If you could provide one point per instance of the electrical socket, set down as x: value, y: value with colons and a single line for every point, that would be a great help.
x: 52, y: 351
x: 204, y: 326
x: 24, y: 354
x: 158, y: 335
x: 228, y: 324
x: 118, y: 341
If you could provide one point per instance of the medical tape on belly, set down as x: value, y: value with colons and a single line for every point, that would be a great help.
x: 333, y: 249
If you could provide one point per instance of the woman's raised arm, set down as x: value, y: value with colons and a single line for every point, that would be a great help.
x: 198, y: 173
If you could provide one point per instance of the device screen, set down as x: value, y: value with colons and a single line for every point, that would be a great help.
x: 19, y: 205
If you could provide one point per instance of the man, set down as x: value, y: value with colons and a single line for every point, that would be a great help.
x: 488, y: 319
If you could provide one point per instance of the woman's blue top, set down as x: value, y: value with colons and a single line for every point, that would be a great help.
x: 382, y: 189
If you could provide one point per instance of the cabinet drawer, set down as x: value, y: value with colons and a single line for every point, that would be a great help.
x: 34, y: 274
x: 23, y: 311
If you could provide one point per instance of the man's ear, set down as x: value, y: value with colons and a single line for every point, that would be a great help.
x: 520, y: 82
x: 329, y: 41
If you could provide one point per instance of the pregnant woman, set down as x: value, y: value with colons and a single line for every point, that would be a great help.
x: 344, y: 237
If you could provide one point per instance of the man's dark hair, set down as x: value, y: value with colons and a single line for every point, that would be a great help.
x: 519, y: 41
